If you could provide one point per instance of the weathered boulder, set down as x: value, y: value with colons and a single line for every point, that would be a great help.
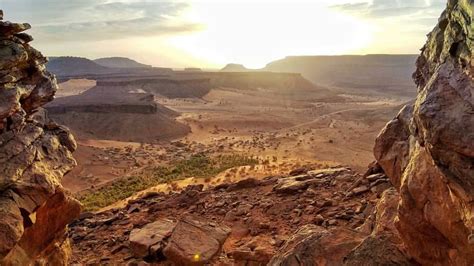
x: 383, y: 246
x: 296, y: 183
x: 35, y: 153
x: 320, y: 173
x: 195, y: 241
x: 149, y: 240
x: 315, y: 245
x: 255, y: 252
x: 428, y: 150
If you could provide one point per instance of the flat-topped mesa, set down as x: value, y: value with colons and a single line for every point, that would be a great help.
x: 35, y: 153
x: 428, y: 149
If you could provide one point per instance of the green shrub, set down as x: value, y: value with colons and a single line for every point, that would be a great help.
x: 199, y: 165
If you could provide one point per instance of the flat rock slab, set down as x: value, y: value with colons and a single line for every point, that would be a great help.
x: 195, y: 241
x: 147, y: 240
x: 328, y: 172
x: 7, y: 28
x: 294, y: 184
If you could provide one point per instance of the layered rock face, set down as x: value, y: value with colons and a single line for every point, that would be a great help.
x: 34, y: 155
x: 428, y: 149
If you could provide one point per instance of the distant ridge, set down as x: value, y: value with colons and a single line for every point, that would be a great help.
x: 120, y: 62
x: 235, y: 68
x: 66, y: 67
x: 70, y: 65
x: 369, y: 73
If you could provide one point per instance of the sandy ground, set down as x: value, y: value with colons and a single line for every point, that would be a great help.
x: 287, y: 128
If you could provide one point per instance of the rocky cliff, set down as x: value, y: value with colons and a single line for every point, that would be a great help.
x: 34, y: 155
x: 428, y: 149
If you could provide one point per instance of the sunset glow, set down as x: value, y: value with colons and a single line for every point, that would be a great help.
x: 255, y: 34
x: 210, y: 34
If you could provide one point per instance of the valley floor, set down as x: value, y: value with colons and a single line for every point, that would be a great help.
x: 245, y: 165
x: 286, y: 128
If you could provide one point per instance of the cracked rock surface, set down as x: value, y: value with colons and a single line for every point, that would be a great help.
x: 428, y: 149
x: 35, y: 153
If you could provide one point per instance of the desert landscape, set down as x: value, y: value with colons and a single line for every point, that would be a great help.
x: 126, y: 124
x: 309, y: 160
x: 186, y: 132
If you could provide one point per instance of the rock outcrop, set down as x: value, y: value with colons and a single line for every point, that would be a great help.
x: 148, y: 241
x: 428, y: 149
x: 195, y: 241
x: 35, y: 153
x: 315, y: 245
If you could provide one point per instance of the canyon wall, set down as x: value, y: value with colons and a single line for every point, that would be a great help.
x: 35, y: 153
x: 428, y: 149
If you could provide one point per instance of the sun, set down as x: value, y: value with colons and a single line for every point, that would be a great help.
x: 256, y: 33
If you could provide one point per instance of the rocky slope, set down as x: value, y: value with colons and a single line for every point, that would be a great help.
x: 243, y: 223
x: 428, y: 149
x: 35, y: 153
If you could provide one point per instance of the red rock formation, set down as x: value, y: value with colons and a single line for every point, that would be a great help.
x: 428, y: 150
x: 34, y: 155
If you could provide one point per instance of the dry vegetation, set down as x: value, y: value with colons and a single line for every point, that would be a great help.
x: 199, y: 166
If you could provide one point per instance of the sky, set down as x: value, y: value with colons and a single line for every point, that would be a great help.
x: 210, y: 34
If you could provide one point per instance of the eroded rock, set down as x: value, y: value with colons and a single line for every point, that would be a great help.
x: 195, y: 241
x: 149, y: 240
x: 314, y: 245
x: 383, y: 246
x: 428, y: 150
x: 34, y: 155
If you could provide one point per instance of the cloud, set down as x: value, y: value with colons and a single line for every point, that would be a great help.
x: 97, y: 20
x: 394, y: 8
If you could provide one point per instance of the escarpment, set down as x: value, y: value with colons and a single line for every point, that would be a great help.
x: 428, y: 149
x: 35, y: 153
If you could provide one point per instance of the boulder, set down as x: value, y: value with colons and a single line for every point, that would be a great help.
x: 149, y: 240
x: 315, y: 245
x: 383, y: 246
x: 243, y: 184
x: 377, y: 250
x: 427, y: 151
x: 256, y: 252
x: 320, y: 173
x: 7, y: 28
x: 195, y: 241
x: 294, y: 184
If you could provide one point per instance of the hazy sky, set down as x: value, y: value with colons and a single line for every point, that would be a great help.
x: 213, y: 33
